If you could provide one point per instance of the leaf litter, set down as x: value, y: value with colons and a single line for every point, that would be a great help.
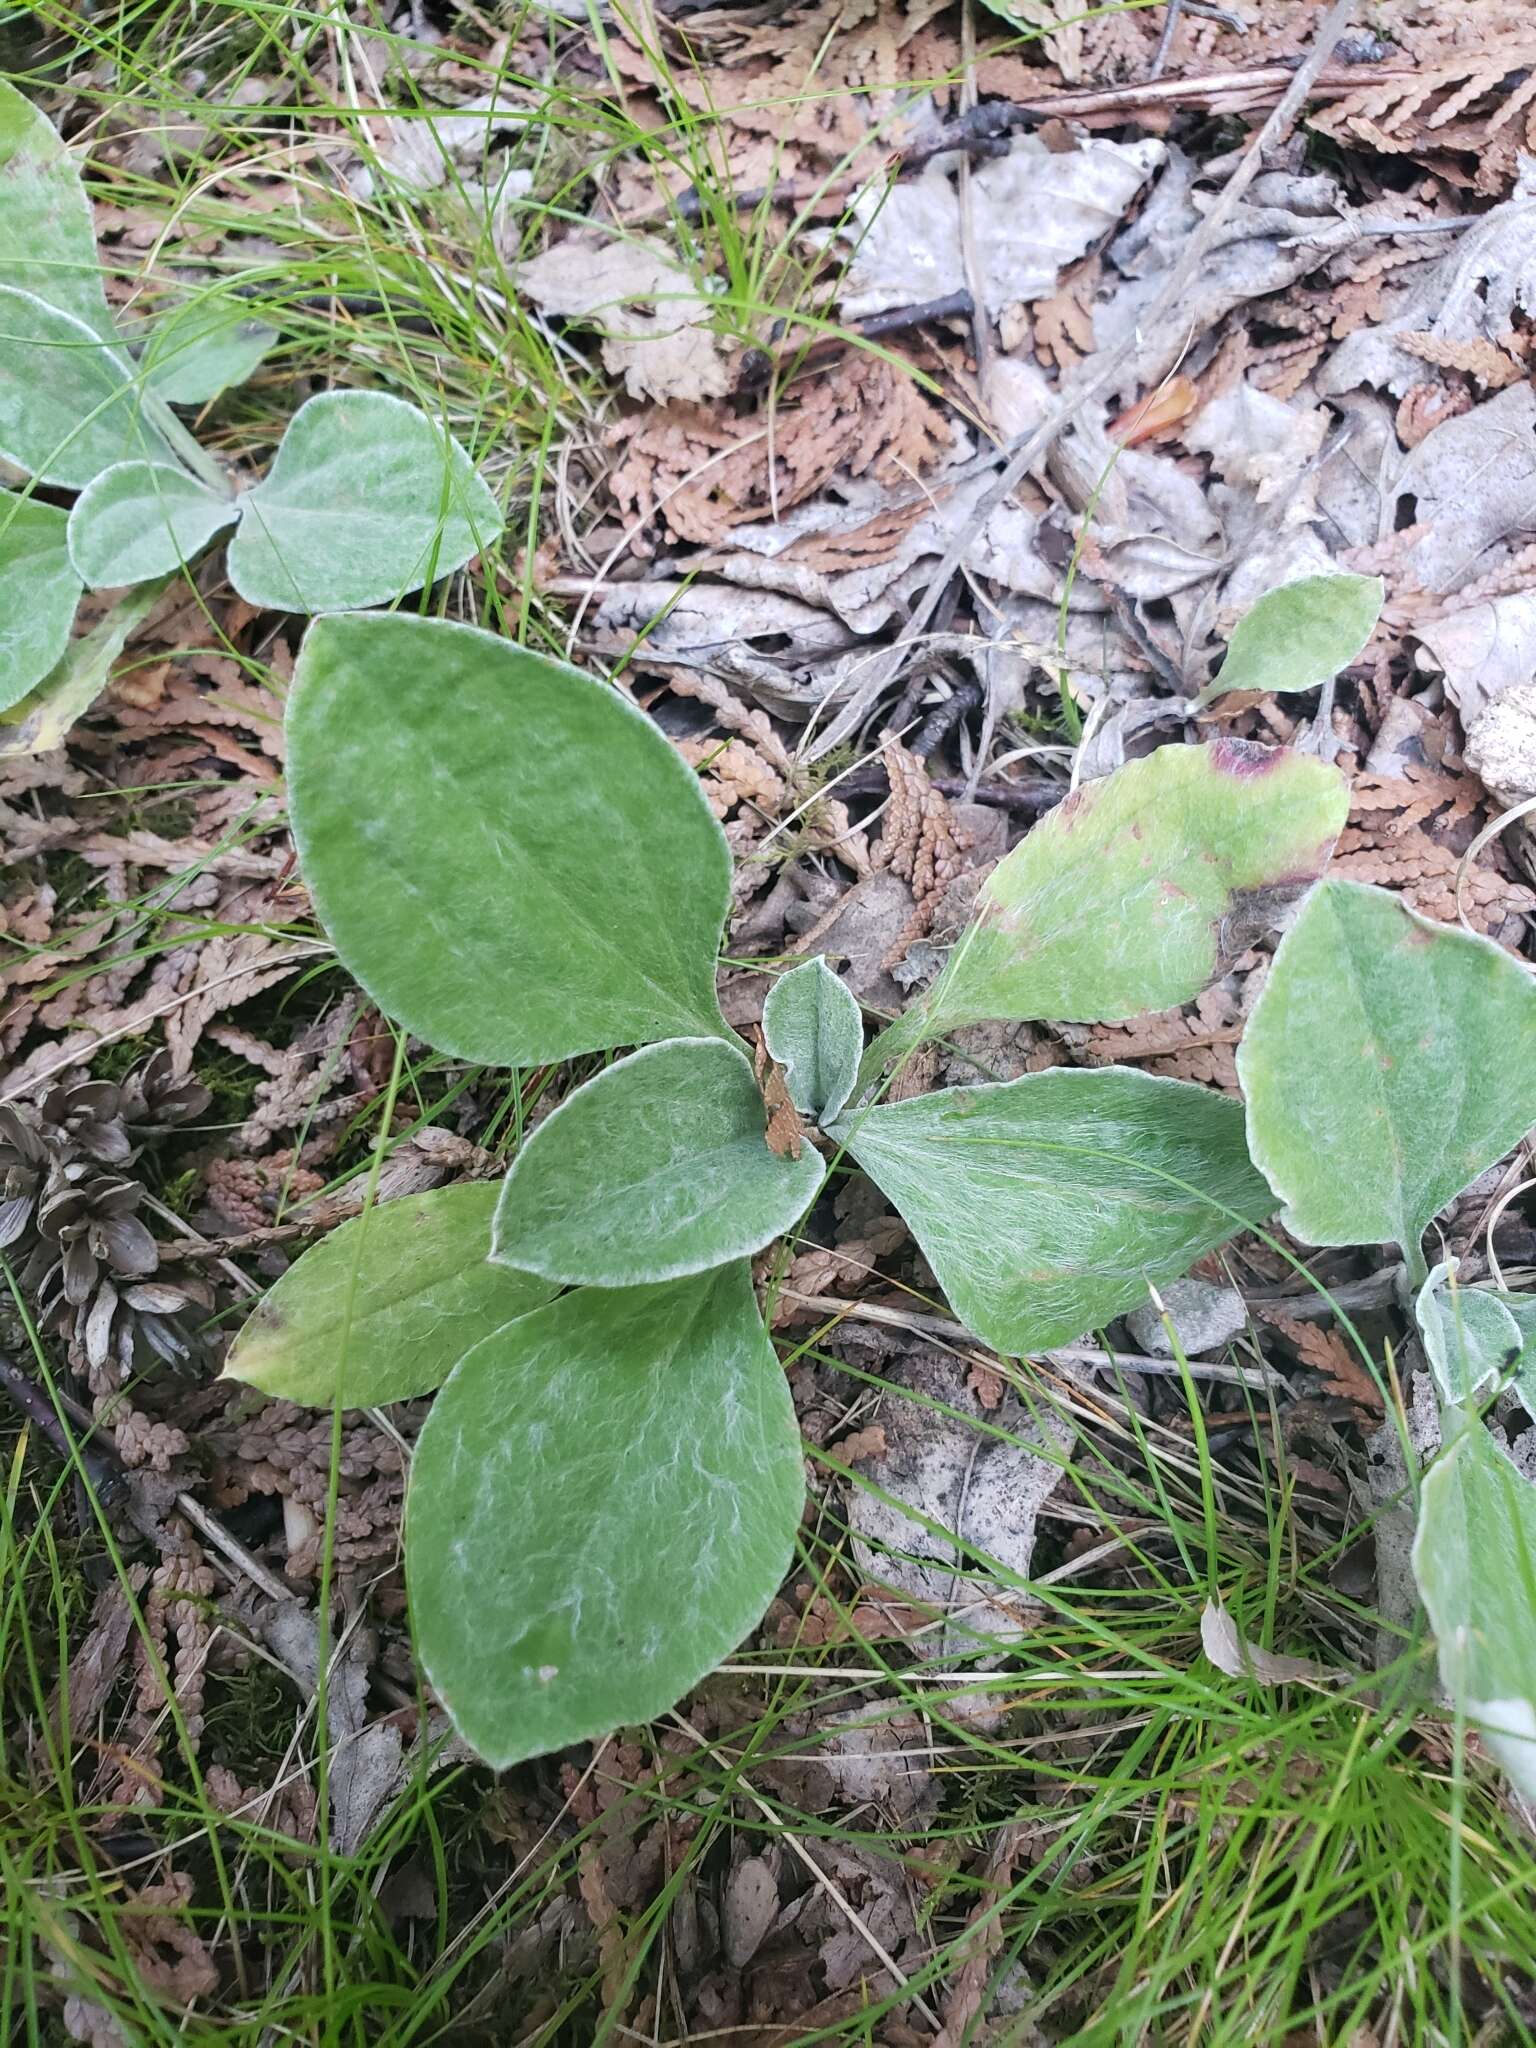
x: 767, y: 491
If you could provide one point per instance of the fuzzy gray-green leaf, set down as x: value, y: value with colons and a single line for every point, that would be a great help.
x: 1474, y: 1556
x: 142, y: 519
x: 69, y: 406
x: 366, y: 501
x: 38, y: 593
x: 1470, y: 1338
x: 510, y: 858
x: 385, y: 1306
x: 47, y: 231
x: 202, y: 346
x: 1131, y: 894
x: 1388, y: 1061
x: 813, y: 1028
x: 1300, y: 635
x: 1048, y: 1204
x: 602, y: 1503
x: 658, y: 1167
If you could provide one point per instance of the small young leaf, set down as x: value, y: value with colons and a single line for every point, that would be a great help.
x: 366, y: 501
x: 203, y: 346
x: 1474, y: 1556
x: 68, y: 406
x: 386, y: 1306
x: 142, y: 519
x: 47, y: 230
x: 1387, y: 1062
x: 37, y: 723
x: 1301, y: 635
x: 510, y: 858
x: 657, y: 1168
x: 1130, y: 895
x: 813, y: 1028
x: 1047, y: 1205
x: 603, y: 1501
x: 1470, y: 1338
x: 38, y: 591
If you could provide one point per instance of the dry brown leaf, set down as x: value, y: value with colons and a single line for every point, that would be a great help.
x: 699, y: 470
x: 654, y: 321
x: 785, y: 1130
x: 1329, y: 1355
x: 1468, y: 116
x: 921, y: 841
x: 1478, y: 358
x: 1408, y: 834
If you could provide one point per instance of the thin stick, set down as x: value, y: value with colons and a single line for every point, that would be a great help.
x: 1071, y: 1354
x: 1027, y: 450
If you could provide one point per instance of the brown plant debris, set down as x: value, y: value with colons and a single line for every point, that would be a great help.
x: 696, y: 471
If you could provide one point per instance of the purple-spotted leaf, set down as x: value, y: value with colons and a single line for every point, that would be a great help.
x: 1131, y: 895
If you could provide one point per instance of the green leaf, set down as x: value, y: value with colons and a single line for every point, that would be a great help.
x: 1301, y: 635
x: 657, y: 1168
x: 68, y: 406
x: 366, y: 501
x: 202, y: 346
x: 1470, y: 1338
x: 602, y: 1503
x: 1474, y: 1556
x: 142, y: 519
x: 47, y: 231
x: 37, y: 723
x: 38, y: 591
x: 1387, y: 1062
x: 1521, y: 1309
x: 1047, y: 1205
x: 385, y: 1306
x: 813, y: 1028
x: 509, y: 857
x: 1131, y: 894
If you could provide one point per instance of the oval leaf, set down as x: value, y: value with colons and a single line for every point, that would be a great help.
x: 386, y: 1306
x: 37, y: 722
x: 1387, y: 1062
x: 1301, y: 635
x: 550, y: 877
x: 202, y: 346
x: 814, y: 1029
x: 1047, y: 1205
x: 38, y: 592
x: 68, y: 406
x: 1470, y: 1338
x: 657, y: 1168
x: 603, y: 1502
x: 142, y: 519
x: 366, y: 500
x: 1131, y: 894
x: 47, y: 230
x: 1474, y: 1556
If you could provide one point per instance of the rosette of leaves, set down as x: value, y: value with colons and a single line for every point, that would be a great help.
x: 366, y: 499
x: 69, y: 1224
x: 606, y: 1491
x: 1389, y: 1061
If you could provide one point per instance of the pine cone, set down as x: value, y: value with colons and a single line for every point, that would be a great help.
x: 88, y: 1262
x: 84, y: 1117
x: 24, y: 1160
